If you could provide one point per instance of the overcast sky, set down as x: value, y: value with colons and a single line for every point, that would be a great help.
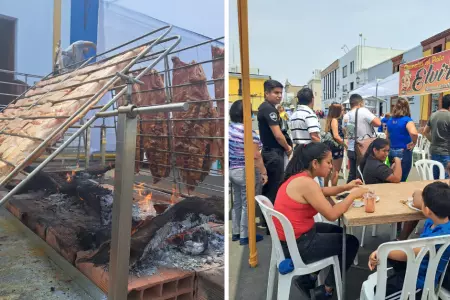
x: 202, y: 16
x: 291, y: 38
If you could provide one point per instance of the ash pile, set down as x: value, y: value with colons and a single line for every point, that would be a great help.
x: 182, y: 233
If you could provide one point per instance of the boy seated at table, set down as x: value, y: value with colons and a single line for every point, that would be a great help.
x: 436, y: 207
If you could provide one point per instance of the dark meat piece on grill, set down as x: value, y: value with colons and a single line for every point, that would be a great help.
x: 189, y: 83
x: 152, y: 139
x: 154, y: 127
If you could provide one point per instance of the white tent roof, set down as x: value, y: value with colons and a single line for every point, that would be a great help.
x: 364, y: 90
x: 386, y: 87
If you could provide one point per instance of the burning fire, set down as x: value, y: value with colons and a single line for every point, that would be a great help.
x: 174, y: 194
x: 145, y: 203
x: 135, y: 228
x: 69, y: 176
x: 139, y: 188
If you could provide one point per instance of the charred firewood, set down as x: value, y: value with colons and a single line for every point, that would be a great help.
x: 188, y: 213
x: 59, y: 182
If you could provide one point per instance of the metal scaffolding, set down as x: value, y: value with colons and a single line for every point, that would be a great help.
x: 164, y: 31
x: 77, y: 141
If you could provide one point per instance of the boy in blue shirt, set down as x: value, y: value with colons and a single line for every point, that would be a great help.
x: 436, y: 207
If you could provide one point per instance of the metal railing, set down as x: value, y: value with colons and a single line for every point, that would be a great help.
x: 19, y: 80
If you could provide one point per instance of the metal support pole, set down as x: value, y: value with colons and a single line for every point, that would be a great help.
x: 122, y: 208
x: 248, y: 138
x: 87, y: 148
x: 176, y: 186
x: 376, y: 100
x: 103, y: 144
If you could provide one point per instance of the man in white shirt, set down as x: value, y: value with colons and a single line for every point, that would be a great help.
x: 305, y: 127
x: 366, y: 122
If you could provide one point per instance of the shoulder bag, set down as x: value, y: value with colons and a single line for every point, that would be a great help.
x: 364, y: 142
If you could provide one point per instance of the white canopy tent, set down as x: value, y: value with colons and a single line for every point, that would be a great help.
x: 376, y: 90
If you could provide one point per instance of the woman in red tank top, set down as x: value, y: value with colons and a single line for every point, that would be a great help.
x: 300, y: 198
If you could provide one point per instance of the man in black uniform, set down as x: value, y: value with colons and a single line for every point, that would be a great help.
x: 272, y: 138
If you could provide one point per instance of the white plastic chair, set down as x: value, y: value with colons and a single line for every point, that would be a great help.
x: 426, y: 149
x: 361, y: 174
x: 425, y: 169
x: 428, y: 246
x: 444, y: 294
x: 344, y: 167
x: 318, y: 217
x: 419, y: 148
x: 374, y: 228
x: 300, y: 268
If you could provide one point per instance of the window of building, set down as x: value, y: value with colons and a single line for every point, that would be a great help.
x: 437, y: 49
x: 352, y: 86
x: 344, y: 72
x: 344, y: 88
x: 240, y: 87
x: 352, y: 67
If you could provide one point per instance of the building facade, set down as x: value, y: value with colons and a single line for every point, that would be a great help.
x: 256, y: 88
x: 330, y: 84
x: 290, y: 93
x: 315, y: 84
x: 351, y: 71
x: 421, y: 106
x: 387, y: 68
x: 432, y: 102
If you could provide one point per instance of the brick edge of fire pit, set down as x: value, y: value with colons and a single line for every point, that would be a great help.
x: 166, y: 284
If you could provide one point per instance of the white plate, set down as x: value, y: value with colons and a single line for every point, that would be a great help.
x: 410, y: 205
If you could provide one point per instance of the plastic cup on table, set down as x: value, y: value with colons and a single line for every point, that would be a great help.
x: 369, y: 202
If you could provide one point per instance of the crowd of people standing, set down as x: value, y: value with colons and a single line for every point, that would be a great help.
x: 299, y: 188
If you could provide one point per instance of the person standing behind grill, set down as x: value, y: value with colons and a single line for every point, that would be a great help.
x: 272, y: 138
x: 305, y: 127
